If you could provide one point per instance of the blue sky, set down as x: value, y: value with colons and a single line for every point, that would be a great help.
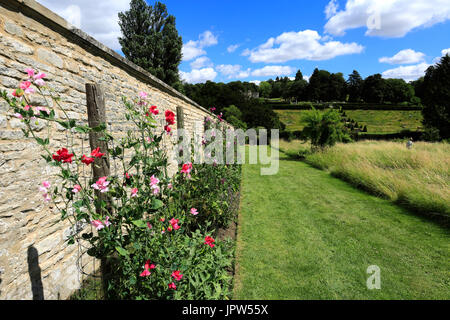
x: 257, y: 40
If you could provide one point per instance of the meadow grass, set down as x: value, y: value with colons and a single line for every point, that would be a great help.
x: 377, y: 121
x: 303, y: 234
x: 418, y: 178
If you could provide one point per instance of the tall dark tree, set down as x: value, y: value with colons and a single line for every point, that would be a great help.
x: 298, y: 89
x: 354, y: 86
x: 418, y: 87
x: 298, y: 76
x: 374, y: 89
x: 318, y: 85
x: 337, y: 87
x: 397, y: 90
x: 150, y: 40
x: 436, y: 99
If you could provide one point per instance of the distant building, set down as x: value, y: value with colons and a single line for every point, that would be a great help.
x: 252, y: 94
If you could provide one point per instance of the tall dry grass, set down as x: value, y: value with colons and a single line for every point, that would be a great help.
x: 417, y: 177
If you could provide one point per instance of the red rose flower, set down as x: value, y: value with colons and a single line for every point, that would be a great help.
x: 172, y: 286
x: 209, y: 241
x: 153, y: 110
x: 96, y: 153
x: 87, y: 160
x: 63, y: 155
x: 170, y: 117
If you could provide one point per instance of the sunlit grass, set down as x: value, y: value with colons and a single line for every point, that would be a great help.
x: 417, y: 177
x: 377, y: 121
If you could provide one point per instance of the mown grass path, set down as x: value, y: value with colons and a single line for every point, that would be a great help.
x: 303, y: 234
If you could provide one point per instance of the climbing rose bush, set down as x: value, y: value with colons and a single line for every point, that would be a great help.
x: 152, y: 232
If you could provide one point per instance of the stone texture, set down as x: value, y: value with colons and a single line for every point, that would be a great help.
x: 15, y: 46
x: 49, y: 57
x: 13, y: 28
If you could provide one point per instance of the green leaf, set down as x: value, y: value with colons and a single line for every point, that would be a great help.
x: 156, y: 204
x: 42, y: 142
x: 78, y: 204
x: 47, y: 158
x: 82, y: 129
x: 65, y: 173
x: 100, y: 127
x: 139, y: 223
x: 122, y: 251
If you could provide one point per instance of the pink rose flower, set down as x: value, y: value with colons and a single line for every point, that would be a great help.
x: 172, y: 286
x: 101, y: 185
x: 107, y: 223
x: 97, y: 224
x: 177, y: 275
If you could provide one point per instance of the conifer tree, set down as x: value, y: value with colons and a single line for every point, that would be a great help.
x: 150, y: 40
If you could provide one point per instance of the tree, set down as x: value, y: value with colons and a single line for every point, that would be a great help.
x: 318, y: 85
x: 324, y: 128
x: 397, y: 90
x: 436, y: 99
x: 265, y: 89
x: 277, y: 89
x: 418, y: 88
x: 373, y: 89
x: 150, y: 40
x: 234, y: 117
x: 354, y: 86
x: 298, y: 76
x: 336, y: 87
x: 298, y: 89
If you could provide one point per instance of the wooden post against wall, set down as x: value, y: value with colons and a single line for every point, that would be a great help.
x: 97, y: 116
x: 180, y: 118
x: 101, y: 166
x: 180, y: 125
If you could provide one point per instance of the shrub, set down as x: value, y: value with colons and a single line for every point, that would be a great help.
x: 324, y: 128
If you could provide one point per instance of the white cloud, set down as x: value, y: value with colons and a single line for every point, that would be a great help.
x: 269, y: 71
x: 85, y: 15
x: 407, y: 56
x: 233, y: 71
x: 331, y: 9
x: 445, y: 51
x: 198, y: 75
x: 201, y: 62
x: 407, y: 73
x: 257, y: 82
x: 393, y: 18
x: 232, y: 48
x: 307, y: 44
x: 207, y: 39
x: 193, y: 49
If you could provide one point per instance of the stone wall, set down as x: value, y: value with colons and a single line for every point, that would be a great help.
x: 35, y: 262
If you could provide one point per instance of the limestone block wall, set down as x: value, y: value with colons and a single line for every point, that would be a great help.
x: 35, y: 262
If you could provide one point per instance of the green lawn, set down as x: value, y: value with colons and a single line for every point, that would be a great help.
x: 377, y: 121
x: 305, y: 235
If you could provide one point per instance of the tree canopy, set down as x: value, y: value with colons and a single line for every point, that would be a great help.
x: 150, y: 40
x: 436, y: 97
